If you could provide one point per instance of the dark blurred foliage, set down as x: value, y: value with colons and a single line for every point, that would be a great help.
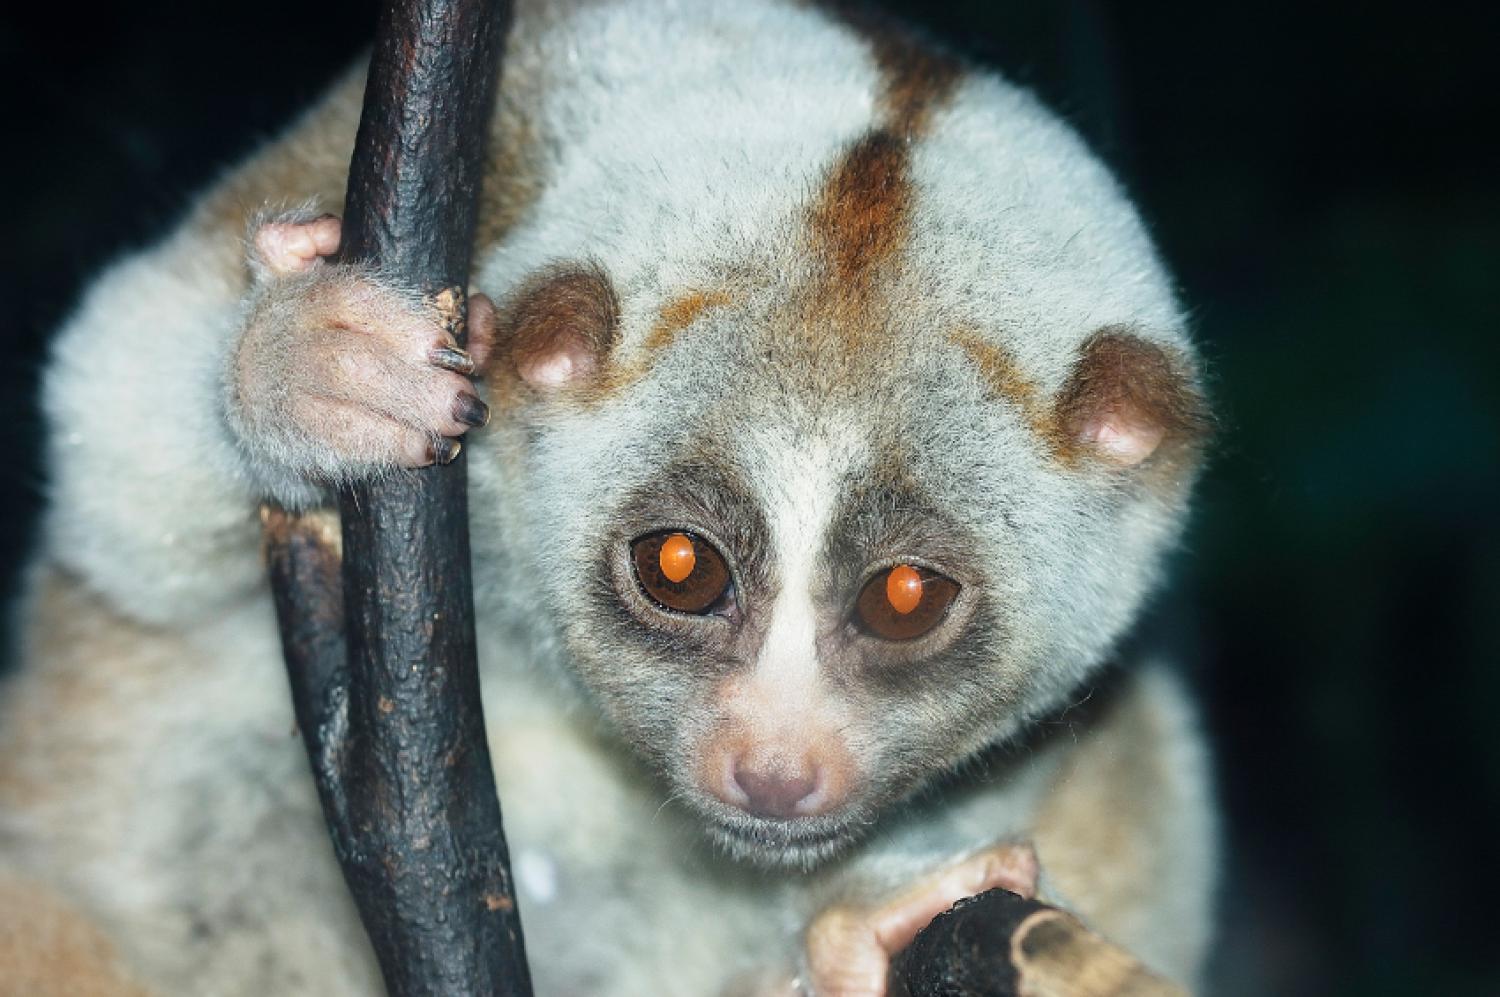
x: 1320, y: 179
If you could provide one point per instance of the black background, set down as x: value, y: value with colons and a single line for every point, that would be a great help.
x: 1319, y: 178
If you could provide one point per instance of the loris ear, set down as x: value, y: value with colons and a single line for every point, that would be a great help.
x: 561, y: 325
x: 1128, y: 399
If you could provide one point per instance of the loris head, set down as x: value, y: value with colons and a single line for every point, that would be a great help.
x: 829, y: 483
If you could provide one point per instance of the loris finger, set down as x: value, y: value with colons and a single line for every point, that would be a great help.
x: 480, y: 343
x: 288, y: 247
x: 435, y: 401
x: 402, y: 384
x: 354, y: 440
x: 1008, y: 867
x: 849, y: 949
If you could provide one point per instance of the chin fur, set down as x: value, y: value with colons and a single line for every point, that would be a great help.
x: 773, y: 848
x: 791, y: 845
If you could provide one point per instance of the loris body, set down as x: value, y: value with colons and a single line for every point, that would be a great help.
x: 833, y: 310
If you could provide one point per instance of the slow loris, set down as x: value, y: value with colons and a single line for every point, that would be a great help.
x: 828, y: 417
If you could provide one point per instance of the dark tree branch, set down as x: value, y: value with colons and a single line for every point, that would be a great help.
x: 381, y: 654
x: 999, y: 945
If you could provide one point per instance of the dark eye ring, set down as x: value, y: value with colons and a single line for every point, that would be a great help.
x: 904, y: 602
x: 680, y: 571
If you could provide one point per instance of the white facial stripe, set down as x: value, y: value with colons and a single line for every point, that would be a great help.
x: 800, y: 490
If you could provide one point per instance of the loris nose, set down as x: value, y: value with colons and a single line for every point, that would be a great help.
x: 780, y: 792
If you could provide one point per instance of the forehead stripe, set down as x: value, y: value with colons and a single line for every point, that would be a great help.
x: 862, y: 217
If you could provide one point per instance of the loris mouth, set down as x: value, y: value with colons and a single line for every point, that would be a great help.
x: 784, y: 844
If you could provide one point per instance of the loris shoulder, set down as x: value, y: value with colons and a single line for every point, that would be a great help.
x: 827, y: 431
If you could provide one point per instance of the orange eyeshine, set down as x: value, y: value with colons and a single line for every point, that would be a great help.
x: 903, y: 587
x: 677, y: 558
x: 904, y: 602
x: 680, y: 572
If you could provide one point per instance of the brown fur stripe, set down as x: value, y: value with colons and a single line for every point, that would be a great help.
x: 673, y: 318
x: 679, y: 313
x: 916, y: 79
x: 1003, y: 377
x: 861, y: 220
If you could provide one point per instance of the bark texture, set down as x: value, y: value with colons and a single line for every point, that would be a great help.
x: 380, y: 642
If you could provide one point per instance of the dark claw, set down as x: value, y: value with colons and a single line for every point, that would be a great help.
x: 449, y: 358
x: 469, y: 410
x: 446, y: 450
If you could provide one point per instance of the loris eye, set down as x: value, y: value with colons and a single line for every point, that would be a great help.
x: 680, y: 571
x: 905, y: 602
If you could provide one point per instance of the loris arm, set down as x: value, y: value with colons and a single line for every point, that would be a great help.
x: 151, y: 501
x: 204, y: 375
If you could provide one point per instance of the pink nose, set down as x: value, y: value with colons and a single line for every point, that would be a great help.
x: 778, y: 793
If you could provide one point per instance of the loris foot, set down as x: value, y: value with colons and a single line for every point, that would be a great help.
x: 337, y: 374
x: 849, y: 949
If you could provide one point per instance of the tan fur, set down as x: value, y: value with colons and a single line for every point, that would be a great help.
x: 47, y: 949
x: 57, y: 740
x: 92, y: 743
x: 1091, y: 824
x: 313, y: 168
x: 512, y: 179
x: 1109, y: 833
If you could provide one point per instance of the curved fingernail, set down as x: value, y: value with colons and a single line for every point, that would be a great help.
x: 469, y: 410
x: 450, y: 358
x: 445, y: 451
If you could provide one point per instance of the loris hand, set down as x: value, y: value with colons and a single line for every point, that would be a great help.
x: 849, y: 949
x: 336, y: 374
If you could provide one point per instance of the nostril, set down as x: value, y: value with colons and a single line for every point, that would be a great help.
x: 776, y: 793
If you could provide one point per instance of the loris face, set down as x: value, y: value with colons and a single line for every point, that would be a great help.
x: 803, y: 578
x: 838, y: 459
x: 809, y: 633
